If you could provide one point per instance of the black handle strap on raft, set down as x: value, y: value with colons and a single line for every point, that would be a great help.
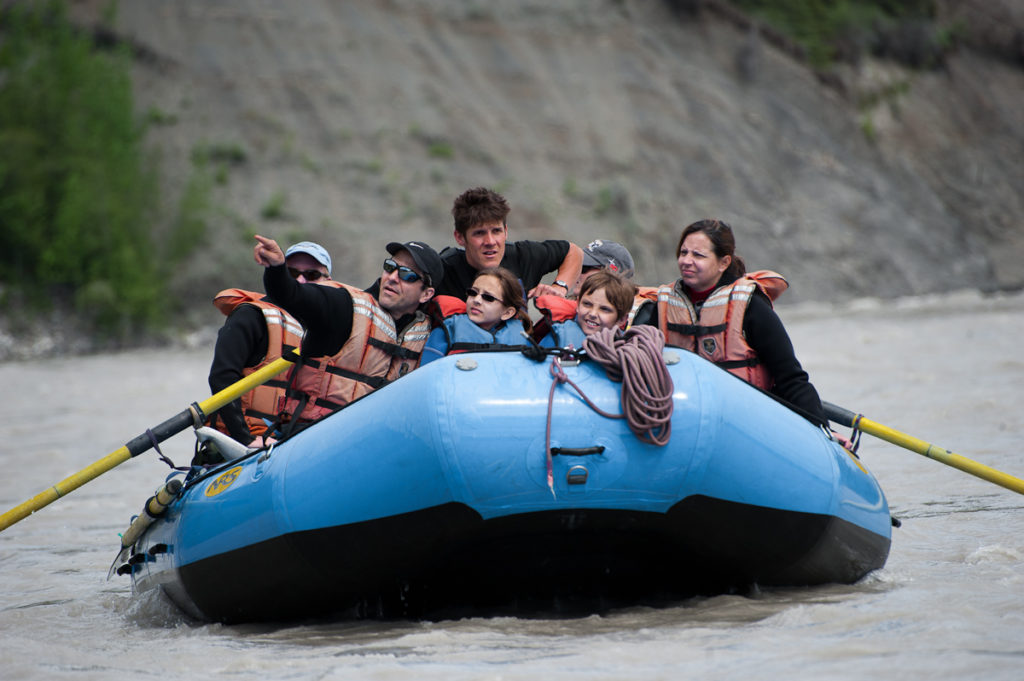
x: 163, y: 457
x: 577, y: 451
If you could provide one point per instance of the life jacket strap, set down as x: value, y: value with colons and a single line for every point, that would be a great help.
x: 697, y: 329
x: 255, y: 413
x: 372, y: 381
x: 393, y: 349
x: 738, y: 363
x: 327, y: 404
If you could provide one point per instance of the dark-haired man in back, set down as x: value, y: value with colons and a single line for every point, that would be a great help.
x: 481, y: 229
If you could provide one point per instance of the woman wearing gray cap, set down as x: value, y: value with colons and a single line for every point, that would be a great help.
x: 255, y: 333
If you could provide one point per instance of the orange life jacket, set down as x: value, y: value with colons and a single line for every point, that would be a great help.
x: 559, y: 322
x: 556, y: 308
x: 446, y: 306
x: 715, y: 332
x: 284, y: 334
x: 374, y: 354
x: 643, y: 295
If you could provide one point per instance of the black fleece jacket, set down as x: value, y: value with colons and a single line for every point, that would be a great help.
x: 768, y: 338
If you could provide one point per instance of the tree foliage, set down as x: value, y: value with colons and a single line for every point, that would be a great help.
x: 77, y: 198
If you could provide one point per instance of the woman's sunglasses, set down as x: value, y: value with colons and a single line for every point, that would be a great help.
x: 310, y: 275
x: 404, y: 273
x: 488, y: 298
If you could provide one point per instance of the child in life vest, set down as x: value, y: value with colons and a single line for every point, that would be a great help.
x: 493, y: 315
x: 605, y: 299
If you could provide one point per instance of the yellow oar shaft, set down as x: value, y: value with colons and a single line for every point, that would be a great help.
x: 68, y: 484
x: 191, y: 416
x: 941, y: 455
x: 239, y: 388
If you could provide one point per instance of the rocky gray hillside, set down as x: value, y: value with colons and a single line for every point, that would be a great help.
x: 357, y: 122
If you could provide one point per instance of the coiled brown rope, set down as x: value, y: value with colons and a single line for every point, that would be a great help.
x: 635, y: 359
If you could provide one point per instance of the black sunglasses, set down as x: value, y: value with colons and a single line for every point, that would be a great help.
x: 310, y: 275
x: 488, y: 298
x: 404, y: 273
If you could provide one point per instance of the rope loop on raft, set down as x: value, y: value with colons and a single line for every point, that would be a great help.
x: 635, y: 359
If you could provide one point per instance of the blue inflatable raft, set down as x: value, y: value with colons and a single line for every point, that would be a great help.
x: 430, y: 498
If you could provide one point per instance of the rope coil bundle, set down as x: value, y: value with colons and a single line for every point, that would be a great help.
x: 635, y: 359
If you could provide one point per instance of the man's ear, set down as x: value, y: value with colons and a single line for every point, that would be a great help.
x: 427, y: 294
x: 459, y: 238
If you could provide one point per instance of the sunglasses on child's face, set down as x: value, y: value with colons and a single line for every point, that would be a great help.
x: 488, y: 298
x: 310, y: 275
x: 404, y: 273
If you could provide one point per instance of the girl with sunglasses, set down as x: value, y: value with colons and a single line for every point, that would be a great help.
x: 493, y: 316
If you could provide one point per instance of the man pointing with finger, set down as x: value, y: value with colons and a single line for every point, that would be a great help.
x: 354, y: 342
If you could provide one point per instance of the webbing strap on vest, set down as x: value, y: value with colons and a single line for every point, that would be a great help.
x: 738, y: 363
x: 277, y: 422
x: 327, y: 404
x: 255, y: 413
x: 394, y: 350
x: 288, y: 429
x: 372, y: 381
x: 696, y: 329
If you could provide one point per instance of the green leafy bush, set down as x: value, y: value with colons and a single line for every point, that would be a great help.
x: 77, y: 199
x: 844, y: 30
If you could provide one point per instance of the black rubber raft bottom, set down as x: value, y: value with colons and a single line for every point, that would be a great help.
x: 448, y: 562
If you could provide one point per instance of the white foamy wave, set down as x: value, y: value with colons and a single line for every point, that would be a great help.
x: 996, y: 553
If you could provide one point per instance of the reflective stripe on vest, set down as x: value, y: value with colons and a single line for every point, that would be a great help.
x: 326, y: 384
x: 284, y: 334
x: 716, y: 331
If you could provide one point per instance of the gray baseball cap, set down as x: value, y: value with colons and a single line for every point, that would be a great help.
x: 610, y: 254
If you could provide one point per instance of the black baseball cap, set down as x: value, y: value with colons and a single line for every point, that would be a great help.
x: 425, y: 257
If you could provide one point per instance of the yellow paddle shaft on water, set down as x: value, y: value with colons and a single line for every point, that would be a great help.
x: 883, y: 432
x: 194, y: 416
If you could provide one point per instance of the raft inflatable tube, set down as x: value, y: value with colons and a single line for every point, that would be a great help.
x: 430, y: 498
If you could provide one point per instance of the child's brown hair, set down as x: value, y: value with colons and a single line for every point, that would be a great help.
x: 617, y: 289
